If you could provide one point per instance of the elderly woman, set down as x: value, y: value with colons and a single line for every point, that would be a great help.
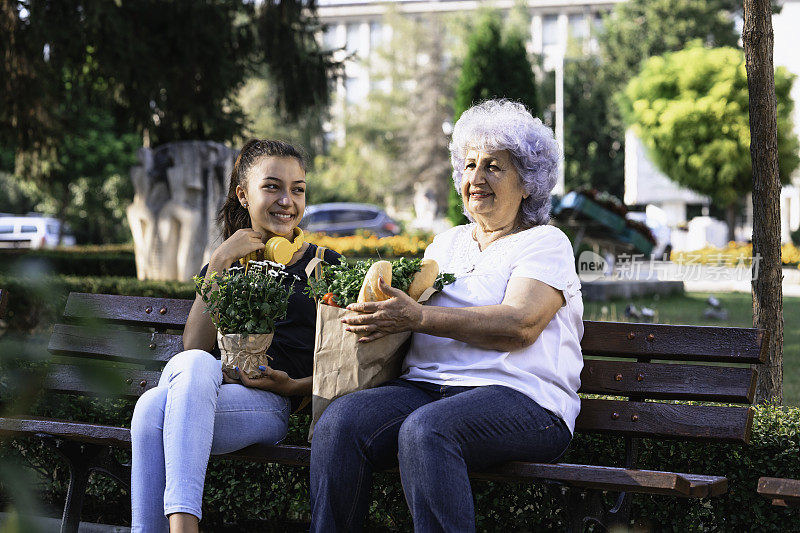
x: 494, y: 365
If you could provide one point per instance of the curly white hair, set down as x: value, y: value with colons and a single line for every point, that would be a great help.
x: 496, y: 125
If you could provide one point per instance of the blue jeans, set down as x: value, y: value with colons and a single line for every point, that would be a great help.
x: 435, y: 434
x: 177, y: 425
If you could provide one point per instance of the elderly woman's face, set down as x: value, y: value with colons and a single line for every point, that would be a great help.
x: 490, y: 186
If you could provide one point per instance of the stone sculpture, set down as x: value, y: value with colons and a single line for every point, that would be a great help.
x: 179, y: 188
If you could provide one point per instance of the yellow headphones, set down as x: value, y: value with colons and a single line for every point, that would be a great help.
x: 278, y: 250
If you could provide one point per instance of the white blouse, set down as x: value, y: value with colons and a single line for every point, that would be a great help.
x: 548, y: 370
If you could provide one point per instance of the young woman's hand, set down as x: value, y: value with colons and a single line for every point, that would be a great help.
x: 237, y: 245
x: 272, y: 380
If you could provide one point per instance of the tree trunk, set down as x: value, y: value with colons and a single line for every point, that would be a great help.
x: 767, y: 292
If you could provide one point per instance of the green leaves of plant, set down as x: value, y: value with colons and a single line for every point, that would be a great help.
x: 250, y: 302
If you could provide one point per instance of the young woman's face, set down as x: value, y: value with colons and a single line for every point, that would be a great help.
x: 275, y: 195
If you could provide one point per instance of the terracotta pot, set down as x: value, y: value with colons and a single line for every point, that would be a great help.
x: 247, y: 351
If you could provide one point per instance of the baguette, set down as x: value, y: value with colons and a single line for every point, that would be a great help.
x: 424, y: 278
x: 370, y: 291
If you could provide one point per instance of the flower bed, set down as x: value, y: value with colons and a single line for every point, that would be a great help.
x: 368, y: 245
x: 735, y: 254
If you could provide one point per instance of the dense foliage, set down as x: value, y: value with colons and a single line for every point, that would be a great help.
x: 691, y: 110
x: 85, y: 83
x: 594, y: 132
x: 246, y: 301
x: 255, y: 497
x: 593, y: 147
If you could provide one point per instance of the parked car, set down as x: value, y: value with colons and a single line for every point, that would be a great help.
x: 344, y: 218
x: 32, y: 231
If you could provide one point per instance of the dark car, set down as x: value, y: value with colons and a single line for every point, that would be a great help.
x: 344, y: 218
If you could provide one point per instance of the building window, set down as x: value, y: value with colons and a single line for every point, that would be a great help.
x: 550, y: 30
x: 375, y: 36
x: 353, y: 38
x: 597, y: 23
x: 355, y: 89
x: 578, y: 29
x: 330, y: 39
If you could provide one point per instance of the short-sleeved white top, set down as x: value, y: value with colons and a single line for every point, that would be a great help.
x: 548, y: 370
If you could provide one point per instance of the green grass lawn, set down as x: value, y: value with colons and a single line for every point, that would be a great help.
x: 688, y: 309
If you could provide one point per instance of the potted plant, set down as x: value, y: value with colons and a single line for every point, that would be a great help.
x: 244, y: 305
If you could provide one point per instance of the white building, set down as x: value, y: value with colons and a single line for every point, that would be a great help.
x: 358, y: 27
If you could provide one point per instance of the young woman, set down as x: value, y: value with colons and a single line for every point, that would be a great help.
x: 194, y: 412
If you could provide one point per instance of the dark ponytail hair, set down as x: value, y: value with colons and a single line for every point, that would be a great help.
x: 233, y: 216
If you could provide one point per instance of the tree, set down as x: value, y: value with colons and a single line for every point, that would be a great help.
x: 765, y: 151
x: 263, y: 118
x: 592, y: 145
x: 635, y: 31
x: 639, y: 29
x: 74, y: 70
x: 495, y: 66
x: 396, y: 151
x: 178, y: 79
x: 690, y: 108
x: 426, y: 144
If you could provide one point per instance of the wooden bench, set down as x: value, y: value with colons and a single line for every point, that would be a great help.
x: 782, y: 491
x: 639, y: 379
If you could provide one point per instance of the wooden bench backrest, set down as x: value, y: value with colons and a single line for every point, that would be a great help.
x: 640, y: 370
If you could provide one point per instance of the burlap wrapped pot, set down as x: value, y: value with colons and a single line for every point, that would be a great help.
x: 247, y: 351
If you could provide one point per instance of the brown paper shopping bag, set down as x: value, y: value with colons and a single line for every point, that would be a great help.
x: 342, y: 364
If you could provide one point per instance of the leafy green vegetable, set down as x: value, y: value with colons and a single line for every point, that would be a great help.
x: 444, y: 278
x: 345, y: 279
x: 403, y: 271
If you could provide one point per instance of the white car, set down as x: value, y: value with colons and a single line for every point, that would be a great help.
x: 32, y: 231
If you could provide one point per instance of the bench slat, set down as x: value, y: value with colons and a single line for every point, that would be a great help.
x: 78, y: 431
x: 128, y: 310
x: 652, y: 419
x: 687, y: 382
x: 593, y: 477
x: 599, y: 477
x: 706, y: 486
x: 680, y: 343
x: 116, y: 345
x: 124, y: 382
x: 668, y: 381
x: 782, y: 491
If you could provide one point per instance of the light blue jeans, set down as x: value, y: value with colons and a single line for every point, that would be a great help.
x: 179, y: 423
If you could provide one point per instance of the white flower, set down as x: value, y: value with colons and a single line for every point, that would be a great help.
x: 273, y: 273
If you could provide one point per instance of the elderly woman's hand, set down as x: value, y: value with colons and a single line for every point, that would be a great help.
x: 378, y: 319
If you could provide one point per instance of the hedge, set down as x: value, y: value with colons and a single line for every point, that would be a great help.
x: 37, y: 301
x: 250, y: 495
x: 116, y: 260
